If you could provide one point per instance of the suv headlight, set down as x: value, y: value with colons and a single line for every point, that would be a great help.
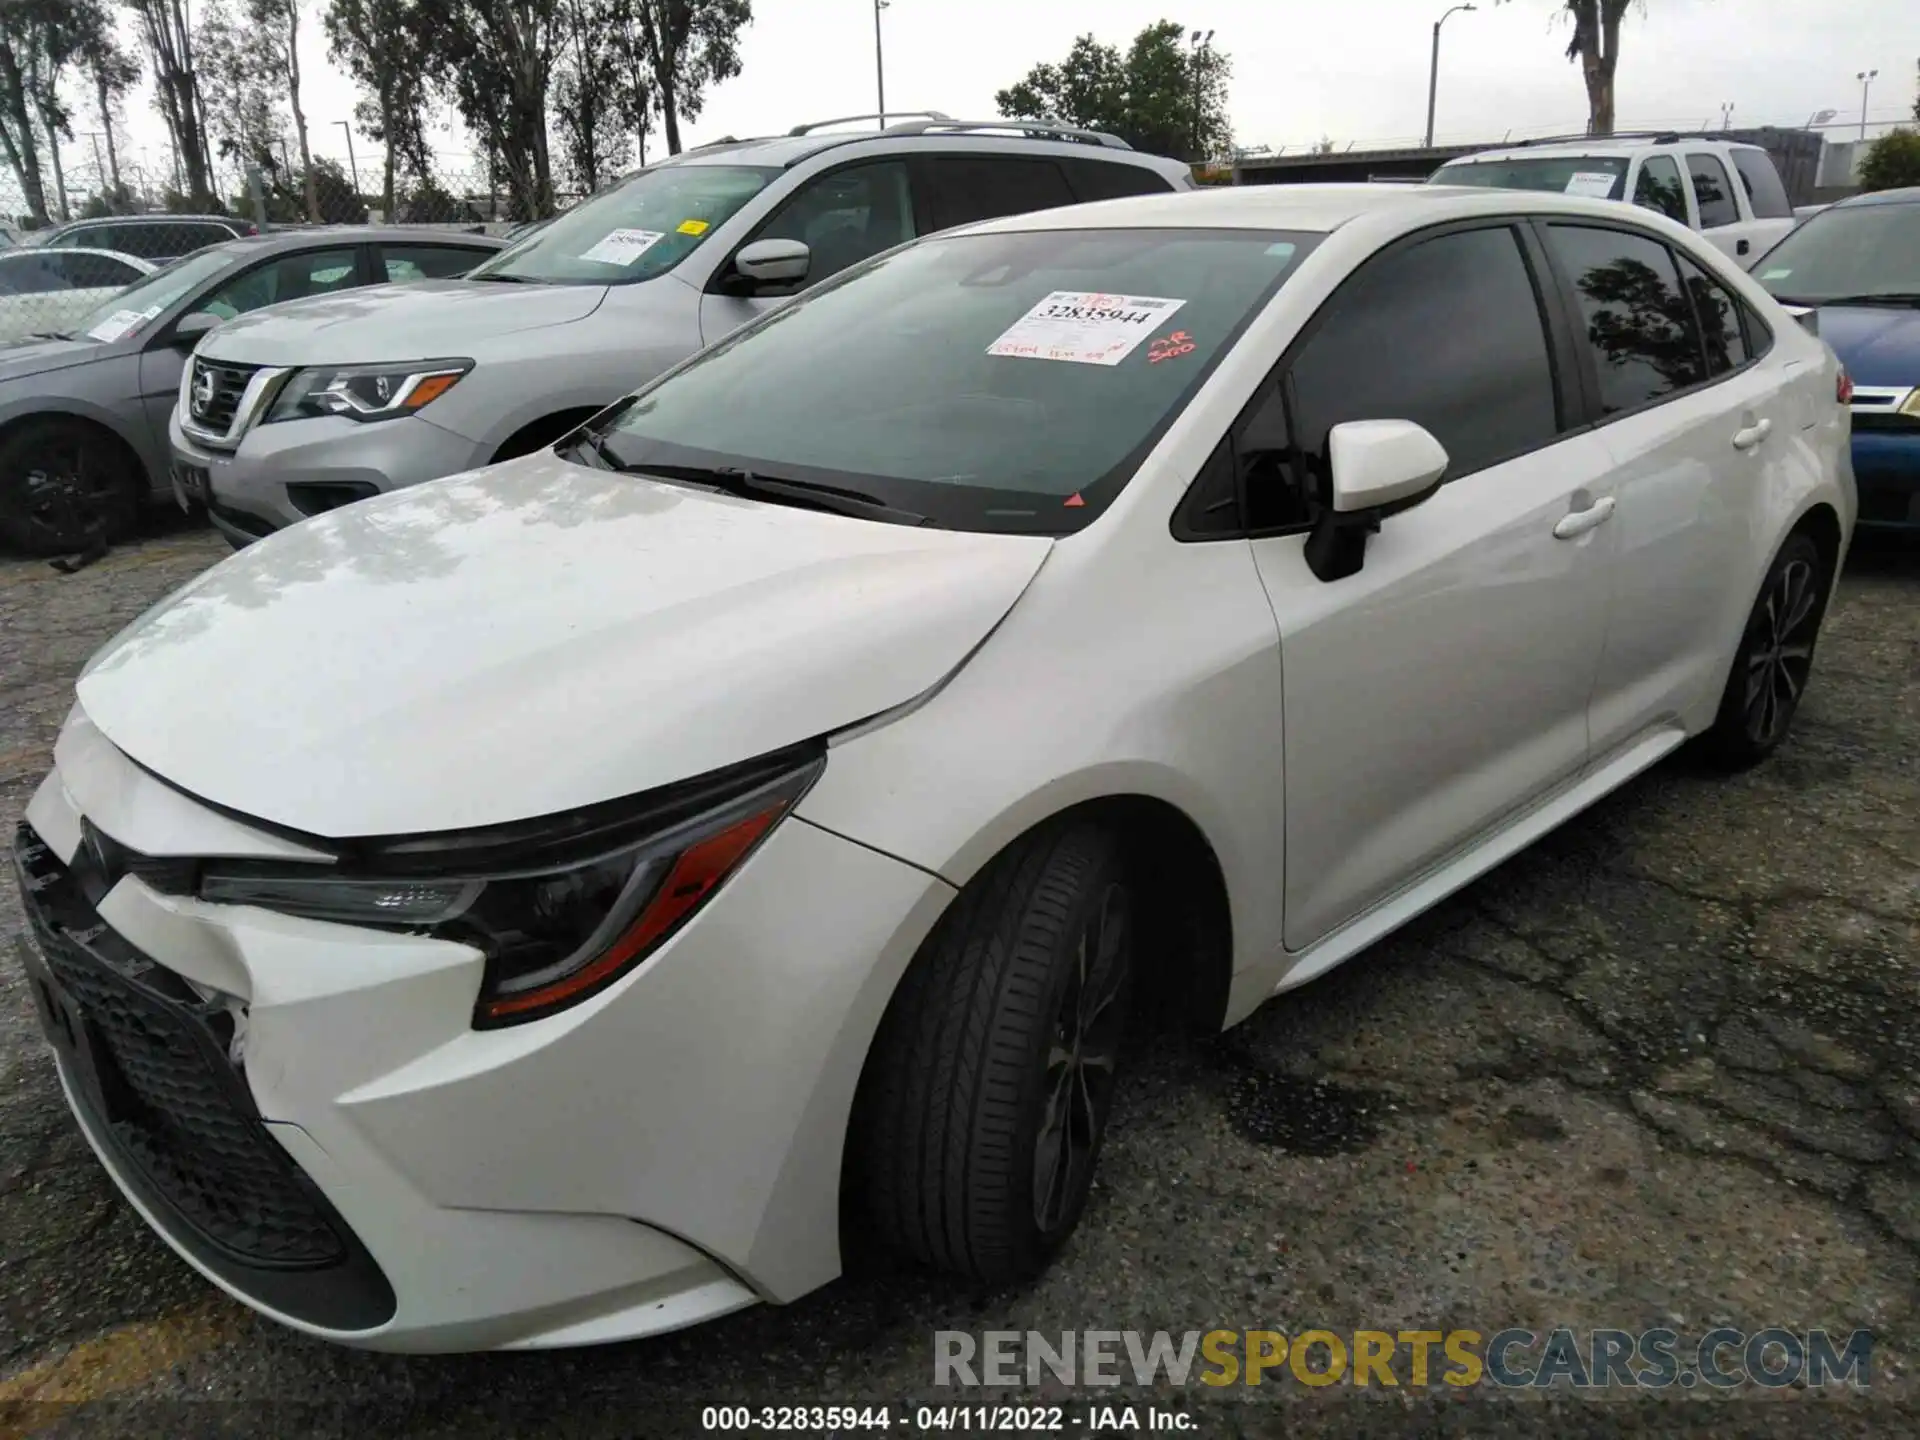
x: 561, y: 908
x: 366, y: 392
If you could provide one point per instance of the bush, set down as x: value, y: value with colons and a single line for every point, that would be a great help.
x: 1893, y: 161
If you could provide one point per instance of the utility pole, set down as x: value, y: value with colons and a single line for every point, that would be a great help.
x: 352, y: 164
x: 1433, y: 70
x: 1199, y: 43
x: 879, y: 64
x: 1866, y: 78
x: 1726, y: 114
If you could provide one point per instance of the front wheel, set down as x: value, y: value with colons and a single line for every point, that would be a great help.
x: 65, y: 485
x: 986, y: 1098
x: 1775, y: 658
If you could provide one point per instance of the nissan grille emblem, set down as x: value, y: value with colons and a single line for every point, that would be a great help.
x: 203, y: 390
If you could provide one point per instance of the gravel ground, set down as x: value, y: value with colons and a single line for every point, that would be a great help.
x: 1660, y: 1070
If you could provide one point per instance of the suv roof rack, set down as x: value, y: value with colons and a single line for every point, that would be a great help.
x: 1036, y: 129
x: 813, y: 125
x: 1658, y: 137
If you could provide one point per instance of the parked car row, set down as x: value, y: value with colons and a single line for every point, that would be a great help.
x: 84, y: 413
x: 887, y: 625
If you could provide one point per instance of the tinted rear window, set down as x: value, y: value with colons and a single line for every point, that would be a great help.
x: 1105, y: 180
x: 1599, y: 177
x: 1638, y: 325
x: 1764, y: 191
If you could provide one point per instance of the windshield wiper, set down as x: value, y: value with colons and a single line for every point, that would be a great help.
x: 1880, y: 297
x: 595, y: 451
x: 731, y: 480
x: 51, y: 335
x: 508, y: 279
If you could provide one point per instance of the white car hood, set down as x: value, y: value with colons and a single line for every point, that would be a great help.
x: 526, y: 639
x: 420, y: 320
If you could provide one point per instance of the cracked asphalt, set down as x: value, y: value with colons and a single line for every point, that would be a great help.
x: 1661, y: 1070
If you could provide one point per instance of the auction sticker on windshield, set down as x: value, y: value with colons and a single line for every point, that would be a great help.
x: 623, y: 247
x: 120, y: 324
x: 1085, y: 327
x: 1596, y: 184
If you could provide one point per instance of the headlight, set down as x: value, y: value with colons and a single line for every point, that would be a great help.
x: 366, y: 392
x: 561, y: 909
x: 1911, y: 405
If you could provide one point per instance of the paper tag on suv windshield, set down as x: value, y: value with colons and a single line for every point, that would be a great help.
x: 117, y: 326
x: 623, y: 247
x: 1596, y: 184
x: 1085, y: 327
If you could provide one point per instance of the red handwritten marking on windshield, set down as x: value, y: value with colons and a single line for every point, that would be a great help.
x: 1167, y: 347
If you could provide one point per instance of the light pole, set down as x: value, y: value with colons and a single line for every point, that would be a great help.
x: 352, y: 164
x: 1726, y: 113
x: 1433, y: 70
x: 879, y: 63
x: 1200, y: 43
x: 1865, y: 77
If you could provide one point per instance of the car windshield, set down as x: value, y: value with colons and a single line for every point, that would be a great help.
x: 139, y: 304
x: 635, y: 231
x: 1000, y: 381
x: 1854, y: 252
x: 1597, y: 176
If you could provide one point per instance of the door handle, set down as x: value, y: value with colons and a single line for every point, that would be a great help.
x: 1749, y: 436
x: 1581, y: 521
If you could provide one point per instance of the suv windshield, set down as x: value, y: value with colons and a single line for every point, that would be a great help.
x: 1002, y: 381
x: 1596, y: 176
x: 1854, y: 252
x: 640, y: 229
x: 138, y: 304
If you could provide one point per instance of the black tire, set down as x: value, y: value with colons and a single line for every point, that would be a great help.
x: 1774, y: 661
x: 973, y: 1060
x: 65, y: 485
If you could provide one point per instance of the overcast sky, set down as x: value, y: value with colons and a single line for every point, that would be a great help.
x: 1353, y: 71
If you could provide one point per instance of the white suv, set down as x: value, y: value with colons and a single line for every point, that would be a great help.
x: 539, y: 906
x: 1730, y: 193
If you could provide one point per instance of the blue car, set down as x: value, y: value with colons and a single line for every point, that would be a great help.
x: 1858, y: 264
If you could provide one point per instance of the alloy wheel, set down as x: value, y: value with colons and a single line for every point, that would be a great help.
x: 1082, y: 1056
x: 69, y: 491
x: 1780, y: 652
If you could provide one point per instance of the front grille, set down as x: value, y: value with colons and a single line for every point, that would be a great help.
x: 213, y: 393
x: 153, y: 1056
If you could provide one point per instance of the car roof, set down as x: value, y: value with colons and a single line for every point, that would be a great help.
x: 1907, y: 195
x: 320, y: 237
x: 1601, y: 146
x: 91, y: 221
x: 136, y: 260
x: 1310, y: 208
x: 785, y: 151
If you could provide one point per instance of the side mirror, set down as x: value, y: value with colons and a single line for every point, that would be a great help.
x: 188, y: 329
x: 1379, y: 467
x: 774, y: 262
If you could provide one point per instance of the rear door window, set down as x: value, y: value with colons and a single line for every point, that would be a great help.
x: 1659, y: 188
x: 1765, y: 193
x: 1637, y: 324
x: 1447, y: 333
x: 960, y: 189
x: 1712, y: 192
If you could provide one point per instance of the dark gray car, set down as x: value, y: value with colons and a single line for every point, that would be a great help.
x: 83, y: 414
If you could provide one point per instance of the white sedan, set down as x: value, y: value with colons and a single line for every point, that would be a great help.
x: 538, y: 907
x: 43, y: 291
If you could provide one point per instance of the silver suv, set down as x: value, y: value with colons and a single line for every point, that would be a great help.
x: 318, y: 404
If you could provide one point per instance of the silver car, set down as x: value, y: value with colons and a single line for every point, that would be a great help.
x: 45, y: 291
x: 299, y: 411
x: 83, y: 413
